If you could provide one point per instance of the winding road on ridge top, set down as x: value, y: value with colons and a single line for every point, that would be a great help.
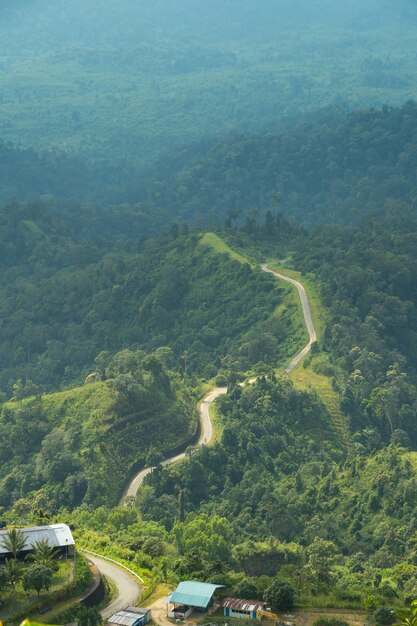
x: 308, y: 319
x: 128, y: 588
x: 204, y: 406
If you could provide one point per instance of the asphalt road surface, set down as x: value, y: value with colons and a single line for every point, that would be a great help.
x: 306, y: 313
x: 205, y: 438
x: 128, y: 588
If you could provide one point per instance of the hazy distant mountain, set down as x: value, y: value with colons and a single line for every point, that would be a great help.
x: 128, y: 81
x: 335, y: 169
x: 215, y: 22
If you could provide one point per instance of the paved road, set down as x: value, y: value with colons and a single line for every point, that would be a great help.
x: 205, y: 438
x: 128, y: 588
x: 307, y: 317
x: 204, y: 407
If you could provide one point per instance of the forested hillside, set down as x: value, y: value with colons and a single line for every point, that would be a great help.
x: 330, y: 170
x: 341, y: 533
x: 295, y: 501
x: 63, y: 302
x: 156, y: 157
x: 332, y: 516
x: 24, y: 173
x: 80, y: 445
x: 84, y: 297
x: 92, y: 309
x: 369, y: 286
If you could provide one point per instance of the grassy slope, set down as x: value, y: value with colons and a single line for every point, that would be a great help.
x: 161, y: 591
x: 289, y: 309
x: 219, y: 245
x: 110, y: 444
x: 18, y: 601
x: 303, y: 377
x: 54, y: 615
x: 107, y: 440
x: 306, y: 376
x: 89, y: 405
x: 317, y: 310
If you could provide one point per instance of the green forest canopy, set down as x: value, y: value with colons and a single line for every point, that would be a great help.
x: 335, y: 169
x: 127, y: 83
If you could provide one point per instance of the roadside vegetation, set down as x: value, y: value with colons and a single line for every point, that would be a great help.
x: 307, y: 500
x: 188, y: 311
x: 298, y: 501
x: 82, y: 443
x: 40, y: 581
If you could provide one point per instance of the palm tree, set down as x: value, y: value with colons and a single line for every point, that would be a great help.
x: 13, y: 572
x: 43, y: 554
x: 14, y: 542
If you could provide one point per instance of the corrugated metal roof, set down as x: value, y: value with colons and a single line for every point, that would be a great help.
x: 242, y: 605
x: 125, y: 618
x: 58, y: 536
x: 193, y: 593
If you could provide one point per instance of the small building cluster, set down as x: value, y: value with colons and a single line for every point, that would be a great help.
x: 192, y: 596
x: 189, y: 596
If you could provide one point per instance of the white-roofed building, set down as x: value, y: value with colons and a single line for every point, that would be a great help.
x: 59, y: 536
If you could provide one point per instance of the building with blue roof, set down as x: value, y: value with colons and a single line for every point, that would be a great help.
x: 191, y: 596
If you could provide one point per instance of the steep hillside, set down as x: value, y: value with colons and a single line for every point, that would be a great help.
x: 286, y: 506
x: 26, y: 174
x: 209, y: 309
x: 314, y: 493
x: 293, y: 502
x: 80, y: 445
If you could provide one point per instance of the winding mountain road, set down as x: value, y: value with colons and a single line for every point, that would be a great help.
x: 205, y: 438
x: 308, y: 319
x: 204, y: 406
x: 128, y: 588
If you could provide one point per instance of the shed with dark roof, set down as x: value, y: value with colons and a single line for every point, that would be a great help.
x: 132, y: 616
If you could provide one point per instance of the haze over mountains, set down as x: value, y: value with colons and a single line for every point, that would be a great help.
x: 153, y: 154
x: 129, y: 81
